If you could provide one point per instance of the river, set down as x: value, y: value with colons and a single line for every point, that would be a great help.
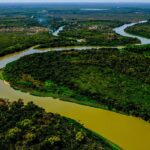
x: 121, y: 31
x: 56, y: 33
x: 128, y: 132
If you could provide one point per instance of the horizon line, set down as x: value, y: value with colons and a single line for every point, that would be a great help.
x: 74, y: 2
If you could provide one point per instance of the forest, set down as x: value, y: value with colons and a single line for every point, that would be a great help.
x: 30, y: 127
x: 109, y: 78
x: 140, y: 49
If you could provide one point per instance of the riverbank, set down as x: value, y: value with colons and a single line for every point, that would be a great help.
x: 142, y: 29
x: 87, y: 77
x: 122, y: 31
x: 85, y: 102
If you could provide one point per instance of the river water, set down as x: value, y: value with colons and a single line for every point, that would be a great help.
x: 121, y: 31
x: 56, y: 33
x: 128, y: 132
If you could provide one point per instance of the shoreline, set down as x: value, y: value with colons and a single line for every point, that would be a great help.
x: 34, y: 92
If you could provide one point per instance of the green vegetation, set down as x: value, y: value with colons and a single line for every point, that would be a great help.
x: 18, y: 32
x: 21, y: 28
x: 30, y: 127
x: 140, y: 49
x: 140, y: 29
x: 14, y: 42
x: 1, y: 75
x: 116, y: 79
x: 26, y: 28
x: 96, y: 32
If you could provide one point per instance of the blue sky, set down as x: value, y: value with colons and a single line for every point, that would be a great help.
x: 11, y: 1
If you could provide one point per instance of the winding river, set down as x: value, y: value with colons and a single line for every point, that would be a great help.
x: 121, y: 31
x: 128, y: 132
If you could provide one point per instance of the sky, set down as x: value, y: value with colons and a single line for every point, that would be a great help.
x: 41, y: 1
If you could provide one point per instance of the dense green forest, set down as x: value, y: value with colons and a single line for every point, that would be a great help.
x: 118, y: 80
x: 140, y: 49
x: 30, y: 127
x: 140, y: 29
